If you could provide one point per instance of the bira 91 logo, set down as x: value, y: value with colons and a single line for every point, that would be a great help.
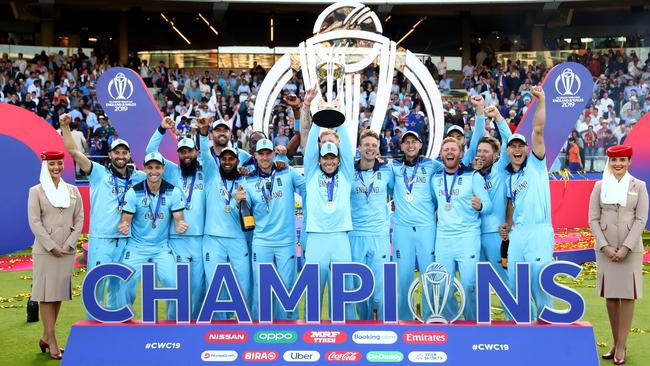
x: 260, y: 356
x: 226, y: 336
x: 343, y: 356
x: 325, y: 337
x: 425, y: 337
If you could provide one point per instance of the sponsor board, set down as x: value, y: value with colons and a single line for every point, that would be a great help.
x: 427, y: 357
x: 276, y: 336
x: 301, y: 356
x: 325, y: 337
x: 343, y: 356
x: 424, y: 337
x: 374, y: 337
x: 384, y: 356
x: 260, y: 356
x: 218, y: 356
x: 226, y: 336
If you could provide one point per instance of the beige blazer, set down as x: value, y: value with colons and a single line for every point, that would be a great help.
x: 54, y: 226
x: 616, y: 225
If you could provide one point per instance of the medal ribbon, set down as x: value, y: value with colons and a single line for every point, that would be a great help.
x: 191, y: 189
x: 330, y: 189
x: 228, y: 191
x: 116, y: 185
x: 513, y: 194
x: 154, y: 215
x: 267, y: 197
x: 448, y: 192
x: 409, y: 182
x: 368, y: 188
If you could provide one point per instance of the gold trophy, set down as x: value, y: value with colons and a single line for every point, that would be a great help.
x: 330, y: 78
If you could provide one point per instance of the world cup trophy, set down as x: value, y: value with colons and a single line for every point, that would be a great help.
x: 347, y: 40
x: 435, y: 284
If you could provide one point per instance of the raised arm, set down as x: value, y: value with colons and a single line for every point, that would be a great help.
x: 345, y: 151
x: 156, y: 138
x: 305, y: 116
x: 539, y: 122
x: 479, y: 128
x: 82, y: 160
x: 310, y: 161
x: 504, y: 132
x: 210, y: 167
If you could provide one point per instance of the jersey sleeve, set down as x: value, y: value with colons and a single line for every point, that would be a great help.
x: 311, y: 152
x: 479, y: 131
x: 177, y: 201
x: 478, y: 188
x: 346, y: 151
x: 505, y: 133
x: 210, y: 167
x: 130, y: 202
x: 537, y: 164
x: 97, y: 173
x: 298, y: 179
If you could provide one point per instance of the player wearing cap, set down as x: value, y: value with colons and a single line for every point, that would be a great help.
x: 223, y: 238
x: 458, y: 133
x: 414, y: 229
x: 491, y: 160
x: 271, y: 194
x: 329, y: 171
x: 461, y: 195
x: 370, y: 238
x: 108, y: 186
x: 147, y: 215
x: 528, y: 214
x: 188, y: 177
x: 221, y: 134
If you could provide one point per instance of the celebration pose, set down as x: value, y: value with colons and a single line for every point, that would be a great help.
x: 329, y: 171
x: 147, y: 214
x: 270, y: 191
x: 188, y: 177
x: 370, y: 237
x: 618, y: 212
x: 528, y: 214
x: 108, y: 187
x: 461, y: 195
x: 56, y: 217
x: 223, y: 238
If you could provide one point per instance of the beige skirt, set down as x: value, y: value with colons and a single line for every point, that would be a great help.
x: 620, y: 280
x: 52, y: 277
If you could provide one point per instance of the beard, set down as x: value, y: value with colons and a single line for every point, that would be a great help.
x: 232, y: 175
x: 188, y: 170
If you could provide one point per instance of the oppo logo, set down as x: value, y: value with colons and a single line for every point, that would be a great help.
x: 219, y: 356
x: 301, y: 356
x: 226, y: 336
x: 425, y: 337
x: 260, y: 356
x: 325, y: 337
x: 276, y: 336
x: 343, y: 356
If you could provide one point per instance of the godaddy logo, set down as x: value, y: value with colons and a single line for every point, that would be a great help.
x: 288, y: 336
x: 384, y: 356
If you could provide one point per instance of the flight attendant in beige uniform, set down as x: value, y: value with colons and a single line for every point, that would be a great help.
x: 618, y: 211
x: 56, y: 217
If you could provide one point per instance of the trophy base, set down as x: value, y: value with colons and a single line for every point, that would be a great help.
x: 328, y: 118
x: 436, y: 319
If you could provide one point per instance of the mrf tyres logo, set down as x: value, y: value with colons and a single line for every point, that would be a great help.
x: 567, y: 86
x: 120, y: 89
x: 325, y: 337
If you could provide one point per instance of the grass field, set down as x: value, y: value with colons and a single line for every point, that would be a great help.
x: 19, y: 338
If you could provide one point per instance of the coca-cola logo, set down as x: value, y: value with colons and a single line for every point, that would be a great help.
x: 325, y: 337
x: 343, y: 356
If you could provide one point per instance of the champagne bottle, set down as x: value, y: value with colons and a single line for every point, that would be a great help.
x: 504, y: 253
x: 246, y: 216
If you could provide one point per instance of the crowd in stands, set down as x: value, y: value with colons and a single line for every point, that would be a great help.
x: 50, y: 85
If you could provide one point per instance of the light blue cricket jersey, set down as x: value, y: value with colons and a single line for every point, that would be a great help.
x: 218, y: 192
x: 192, y: 188
x: 530, y: 192
x: 369, y: 199
x: 336, y: 217
x: 272, y: 199
x: 420, y: 211
x: 107, y: 189
x: 460, y: 220
x: 495, y: 179
x: 143, y: 206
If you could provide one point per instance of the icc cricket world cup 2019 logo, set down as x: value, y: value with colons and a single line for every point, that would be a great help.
x: 120, y: 89
x: 567, y: 86
x: 435, y: 284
